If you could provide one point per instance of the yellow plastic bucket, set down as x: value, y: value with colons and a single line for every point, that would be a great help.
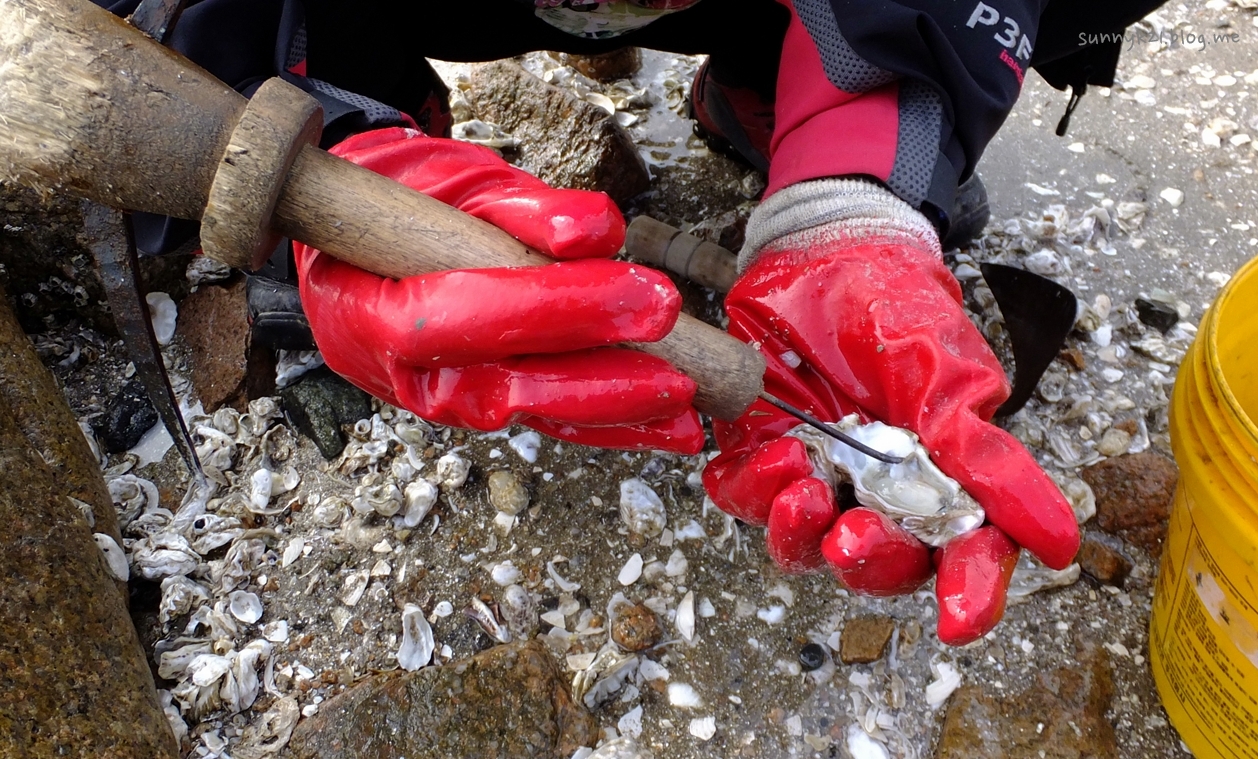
x: 1203, y: 634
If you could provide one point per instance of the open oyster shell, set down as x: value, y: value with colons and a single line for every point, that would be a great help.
x: 914, y: 493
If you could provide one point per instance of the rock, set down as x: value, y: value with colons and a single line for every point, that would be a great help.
x: 511, y: 700
x: 1160, y: 316
x: 507, y: 494
x: 73, y: 676
x: 865, y: 639
x: 214, y: 323
x: 565, y: 141
x: 1133, y: 496
x: 636, y: 628
x: 130, y: 414
x: 607, y: 67
x: 320, y: 403
x: 1061, y: 716
x: 48, y: 424
x: 1074, y: 357
x: 1101, y: 556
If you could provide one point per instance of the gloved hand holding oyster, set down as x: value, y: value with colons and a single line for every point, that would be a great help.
x: 845, y: 294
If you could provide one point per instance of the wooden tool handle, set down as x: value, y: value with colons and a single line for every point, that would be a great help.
x: 385, y: 227
x: 669, y: 248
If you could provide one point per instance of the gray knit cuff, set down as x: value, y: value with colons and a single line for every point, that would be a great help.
x: 826, y: 210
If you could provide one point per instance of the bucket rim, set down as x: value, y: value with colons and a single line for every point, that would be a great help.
x: 1219, y: 379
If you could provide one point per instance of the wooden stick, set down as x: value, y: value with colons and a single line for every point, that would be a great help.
x: 669, y: 248
x: 392, y: 230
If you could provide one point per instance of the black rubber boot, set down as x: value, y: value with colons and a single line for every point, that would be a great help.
x: 275, y: 315
x: 969, y: 216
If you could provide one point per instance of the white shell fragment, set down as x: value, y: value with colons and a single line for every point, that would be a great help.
x: 683, y: 696
x: 1030, y: 576
x: 677, y: 564
x: 947, y: 679
x: 162, y: 312
x: 526, y: 445
x: 914, y: 493
x: 631, y: 571
x: 355, y: 585
x: 567, y: 586
x: 417, y: 641
x: 703, y: 728
x: 115, y: 559
x: 276, y: 632
x: 292, y: 552
x: 452, y: 471
x: 505, y: 573
x: 631, y: 723
x: 481, y: 133
x: 265, y: 485
x: 686, y: 616
x: 245, y: 606
x: 420, y: 497
x: 861, y: 746
x: 641, y: 509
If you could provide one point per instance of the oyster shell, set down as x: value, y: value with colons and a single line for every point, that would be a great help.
x: 641, y: 509
x: 420, y: 496
x: 417, y: 641
x: 452, y: 471
x: 180, y: 596
x: 132, y: 496
x: 115, y: 558
x: 165, y: 554
x: 245, y: 606
x: 915, y: 493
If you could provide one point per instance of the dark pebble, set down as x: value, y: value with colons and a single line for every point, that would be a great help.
x: 1160, y: 316
x: 811, y: 657
x: 129, y: 416
x: 320, y: 404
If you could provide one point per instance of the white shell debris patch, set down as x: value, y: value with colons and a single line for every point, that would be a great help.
x: 924, y: 500
x: 641, y: 509
x: 417, y: 641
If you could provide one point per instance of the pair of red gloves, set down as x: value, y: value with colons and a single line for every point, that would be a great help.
x: 849, y: 320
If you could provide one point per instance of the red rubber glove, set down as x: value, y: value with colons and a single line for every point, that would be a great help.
x: 874, y: 325
x: 487, y: 348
